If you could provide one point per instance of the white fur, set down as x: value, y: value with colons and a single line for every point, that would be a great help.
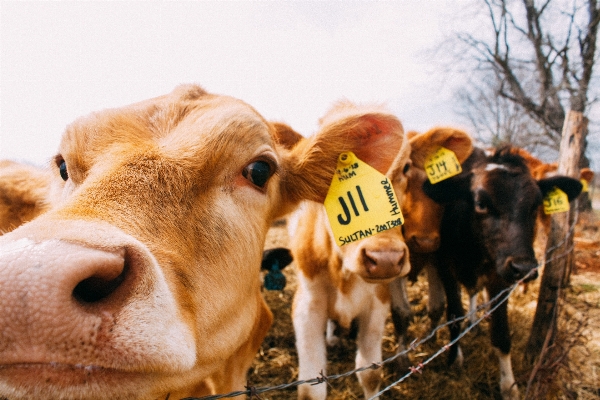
x: 508, y: 388
x: 310, y: 316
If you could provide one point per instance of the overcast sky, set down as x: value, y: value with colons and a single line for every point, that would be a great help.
x: 290, y: 60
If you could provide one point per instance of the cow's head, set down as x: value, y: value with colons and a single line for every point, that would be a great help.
x: 143, y: 278
x: 502, y: 199
x: 383, y: 256
x: 422, y: 215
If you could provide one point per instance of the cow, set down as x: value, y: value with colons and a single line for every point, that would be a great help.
x: 350, y: 282
x: 24, y: 193
x: 143, y: 279
x: 487, y: 235
x: 540, y: 170
x: 421, y: 228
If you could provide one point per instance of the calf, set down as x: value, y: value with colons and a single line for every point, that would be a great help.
x: 540, y: 170
x: 24, y: 193
x: 142, y: 280
x: 422, y: 219
x: 349, y: 282
x: 487, y: 235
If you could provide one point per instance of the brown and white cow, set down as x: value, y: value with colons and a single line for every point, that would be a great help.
x: 349, y: 282
x: 24, y: 193
x: 143, y: 280
x: 422, y: 220
x: 487, y: 235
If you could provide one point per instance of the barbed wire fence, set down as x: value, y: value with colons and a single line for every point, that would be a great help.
x: 488, y: 308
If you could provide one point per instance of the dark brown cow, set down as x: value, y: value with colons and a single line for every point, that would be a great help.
x: 487, y: 234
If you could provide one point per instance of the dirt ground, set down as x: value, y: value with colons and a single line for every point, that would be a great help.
x: 577, y: 376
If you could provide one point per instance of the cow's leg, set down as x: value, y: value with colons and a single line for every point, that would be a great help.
x: 401, y: 316
x: 454, y: 310
x: 309, y: 316
x: 436, y: 300
x: 500, y: 335
x: 331, y: 338
x: 370, y: 334
x: 473, y: 297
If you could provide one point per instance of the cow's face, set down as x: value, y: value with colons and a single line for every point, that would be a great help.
x: 384, y: 256
x: 422, y: 215
x: 144, y: 276
x: 500, y: 200
x: 505, y: 203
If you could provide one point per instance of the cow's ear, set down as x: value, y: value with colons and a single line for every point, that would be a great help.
x: 572, y: 187
x: 285, y: 135
x: 453, y: 139
x: 373, y: 134
x: 586, y: 174
x: 448, y: 190
x: 279, y: 256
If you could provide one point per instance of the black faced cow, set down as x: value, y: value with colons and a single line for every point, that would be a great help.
x: 487, y: 237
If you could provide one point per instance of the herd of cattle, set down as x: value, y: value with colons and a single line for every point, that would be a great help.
x: 131, y: 267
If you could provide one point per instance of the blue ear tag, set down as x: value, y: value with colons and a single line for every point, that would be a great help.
x: 275, y: 280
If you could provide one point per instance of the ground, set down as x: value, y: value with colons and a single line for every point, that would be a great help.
x: 576, y: 376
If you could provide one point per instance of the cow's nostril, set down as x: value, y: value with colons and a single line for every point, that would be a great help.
x: 520, y: 269
x: 96, y: 288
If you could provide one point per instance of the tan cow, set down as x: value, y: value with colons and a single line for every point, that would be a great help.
x: 422, y: 221
x: 24, y: 193
x: 348, y: 282
x: 143, y: 280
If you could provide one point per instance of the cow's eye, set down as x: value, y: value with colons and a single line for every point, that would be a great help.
x: 62, y: 168
x: 258, y: 173
x: 406, y: 168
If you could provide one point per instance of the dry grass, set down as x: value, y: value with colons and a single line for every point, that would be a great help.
x: 574, y: 370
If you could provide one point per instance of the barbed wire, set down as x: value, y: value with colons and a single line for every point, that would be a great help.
x: 498, y: 300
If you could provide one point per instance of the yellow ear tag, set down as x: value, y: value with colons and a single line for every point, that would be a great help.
x: 361, y: 201
x: 585, y: 187
x: 442, y: 164
x: 556, y: 201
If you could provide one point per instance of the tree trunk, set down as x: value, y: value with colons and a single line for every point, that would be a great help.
x: 559, y: 248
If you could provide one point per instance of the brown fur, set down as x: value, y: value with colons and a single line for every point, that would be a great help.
x: 24, y: 192
x: 163, y: 227
x: 422, y: 215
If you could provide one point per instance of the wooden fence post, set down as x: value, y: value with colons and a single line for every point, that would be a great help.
x: 559, y: 248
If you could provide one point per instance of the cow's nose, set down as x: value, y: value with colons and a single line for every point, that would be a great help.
x: 424, y: 244
x: 384, y: 264
x: 520, y: 269
x: 55, y: 272
x: 107, y: 272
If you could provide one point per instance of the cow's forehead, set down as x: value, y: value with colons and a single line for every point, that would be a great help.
x: 180, y: 126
